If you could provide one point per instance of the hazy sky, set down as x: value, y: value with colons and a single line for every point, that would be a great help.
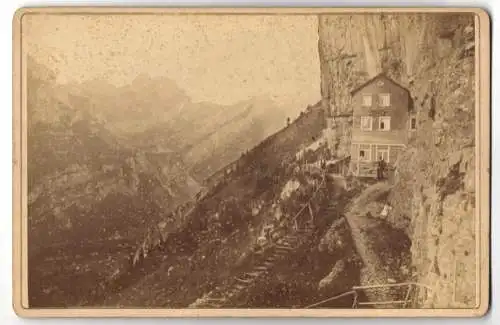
x: 222, y: 59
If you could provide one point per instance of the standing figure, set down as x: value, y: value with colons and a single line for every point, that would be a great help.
x: 381, y: 168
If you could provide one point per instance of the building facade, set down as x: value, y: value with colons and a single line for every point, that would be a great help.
x: 383, y: 121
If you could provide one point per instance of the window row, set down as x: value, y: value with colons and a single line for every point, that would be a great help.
x: 384, y: 123
x: 384, y: 100
x: 365, y: 153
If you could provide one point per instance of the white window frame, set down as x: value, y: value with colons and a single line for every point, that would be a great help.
x: 381, y: 101
x: 378, y: 151
x: 368, y: 152
x: 387, y: 123
x: 365, y: 96
x: 370, y: 119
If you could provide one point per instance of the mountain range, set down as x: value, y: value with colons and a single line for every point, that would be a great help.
x: 105, y: 162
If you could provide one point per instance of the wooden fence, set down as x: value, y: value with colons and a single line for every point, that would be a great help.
x: 406, y: 302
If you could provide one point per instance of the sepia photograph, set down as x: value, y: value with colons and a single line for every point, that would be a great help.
x: 266, y: 162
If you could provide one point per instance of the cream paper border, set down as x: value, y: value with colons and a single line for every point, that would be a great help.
x: 482, y: 136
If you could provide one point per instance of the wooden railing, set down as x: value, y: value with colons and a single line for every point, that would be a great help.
x: 342, y: 295
x: 313, y: 195
x: 412, y: 287
x: 242, y: 283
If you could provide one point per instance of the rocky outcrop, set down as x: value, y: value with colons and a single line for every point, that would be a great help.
x: 433, y: 194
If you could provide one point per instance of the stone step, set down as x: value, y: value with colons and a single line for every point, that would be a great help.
x: 261, y: 268
x: 287, y: 242
x: 254, y: 274
x: 287, y: 247
x: 243, y: 280
x: 246, y: 277
x: 214, y: 299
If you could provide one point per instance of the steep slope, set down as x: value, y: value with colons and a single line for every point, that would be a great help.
x: 433, y: 55
x: 222, y: 231
x: 259, y: 119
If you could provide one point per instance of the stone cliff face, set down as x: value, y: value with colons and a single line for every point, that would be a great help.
x: 433, y: 193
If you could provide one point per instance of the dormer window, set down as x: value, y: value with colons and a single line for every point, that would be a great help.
x: 384, y: 100
x: 367, y: 100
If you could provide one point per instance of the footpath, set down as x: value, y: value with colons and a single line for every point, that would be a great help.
x: 380, y: 246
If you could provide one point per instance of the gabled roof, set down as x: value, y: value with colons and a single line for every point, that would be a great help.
x: 381, y: 75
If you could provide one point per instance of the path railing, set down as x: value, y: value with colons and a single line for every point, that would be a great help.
x: 352, y: 293
x: 412, y: 287
x: 246, y: 279
x: 313, y: 195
